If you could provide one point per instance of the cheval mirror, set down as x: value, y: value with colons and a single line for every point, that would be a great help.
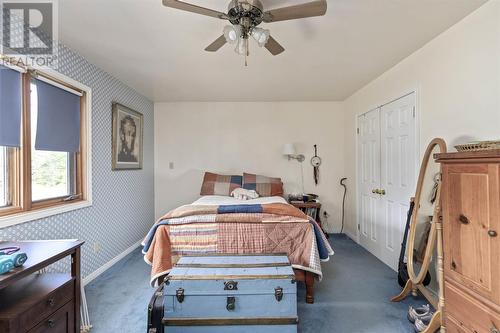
x: 425, y: 237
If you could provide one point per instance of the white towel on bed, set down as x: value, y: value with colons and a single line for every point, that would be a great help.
x: 243, y: 194
x: 218, y: 200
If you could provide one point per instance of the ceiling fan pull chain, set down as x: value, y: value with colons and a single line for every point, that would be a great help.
x: 246, y: 51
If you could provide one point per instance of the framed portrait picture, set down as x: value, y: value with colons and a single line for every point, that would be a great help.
x: 127, y: 138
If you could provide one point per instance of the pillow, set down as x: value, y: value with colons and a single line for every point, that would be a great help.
x: 265, y: 186
x: 214, y: 184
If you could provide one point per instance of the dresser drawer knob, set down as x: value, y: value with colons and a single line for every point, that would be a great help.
x: 51, y: 302
x: 463, y: 219
x: 51, y: 323
x: 492, y: 233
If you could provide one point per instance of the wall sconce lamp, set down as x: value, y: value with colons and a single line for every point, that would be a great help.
x: 290, y: 152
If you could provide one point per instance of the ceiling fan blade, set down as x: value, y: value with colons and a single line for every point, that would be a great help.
x: 217, y: 44
x: 194, y: 9
x: 310, y: 9
x: 273, y: 46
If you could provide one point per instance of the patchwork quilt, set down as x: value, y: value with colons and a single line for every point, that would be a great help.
x: 235, y: 229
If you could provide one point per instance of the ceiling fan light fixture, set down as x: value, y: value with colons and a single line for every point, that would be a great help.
x: 245, y: 16
x: 261, y: 36
x: 232, y: 33
x: 242, y: 46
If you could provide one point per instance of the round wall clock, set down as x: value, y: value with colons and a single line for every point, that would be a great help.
x: 316, y: 161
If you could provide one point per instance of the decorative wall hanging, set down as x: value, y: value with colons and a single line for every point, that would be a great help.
x: 316, y: 162
x: 127, y: 138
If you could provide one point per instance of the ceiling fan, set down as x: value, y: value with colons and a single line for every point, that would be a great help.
x: 245, y: 16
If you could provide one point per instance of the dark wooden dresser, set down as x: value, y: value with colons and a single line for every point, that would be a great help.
x: 471, y: 223
x: 36, y: 302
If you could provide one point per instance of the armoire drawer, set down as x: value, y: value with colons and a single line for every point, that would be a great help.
x: 471, y: 226
x: 468, y: 312
x: 453, y: 326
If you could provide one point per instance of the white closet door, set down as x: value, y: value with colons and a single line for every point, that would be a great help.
x: 386, y: 164
x: 369, y: 172
x: 398, y: 174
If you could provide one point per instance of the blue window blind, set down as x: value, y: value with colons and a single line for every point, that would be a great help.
x: 58, y: 120
x: 10, y: 107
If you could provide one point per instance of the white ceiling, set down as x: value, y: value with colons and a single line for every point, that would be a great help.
x: 159, y: 51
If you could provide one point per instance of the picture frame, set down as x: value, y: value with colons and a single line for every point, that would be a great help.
x: 127, y: 138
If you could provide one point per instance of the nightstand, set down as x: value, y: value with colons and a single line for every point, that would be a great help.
x: 312, y: 209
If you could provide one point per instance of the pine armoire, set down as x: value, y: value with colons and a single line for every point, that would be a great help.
x: 471, y: 223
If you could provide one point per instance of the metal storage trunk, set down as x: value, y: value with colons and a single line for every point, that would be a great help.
x: 231, y: 293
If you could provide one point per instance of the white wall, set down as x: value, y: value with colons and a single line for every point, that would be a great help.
x: 457, y: 78
x: 234, y: 138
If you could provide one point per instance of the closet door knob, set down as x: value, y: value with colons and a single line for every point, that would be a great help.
x: 492, y: 233
x: 382, y: 192
x: 374, y: 191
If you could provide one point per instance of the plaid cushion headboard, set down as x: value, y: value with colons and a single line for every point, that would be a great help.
x: 265, y: 186
x: 214, y: 184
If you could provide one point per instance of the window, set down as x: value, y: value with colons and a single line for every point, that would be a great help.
x: 53, y: 173
x: 42, y: 143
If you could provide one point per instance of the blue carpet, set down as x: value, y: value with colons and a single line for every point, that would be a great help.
x: 353, y: 296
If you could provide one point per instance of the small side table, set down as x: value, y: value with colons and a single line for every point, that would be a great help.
x: 312, y: 209
x: 41, y: 302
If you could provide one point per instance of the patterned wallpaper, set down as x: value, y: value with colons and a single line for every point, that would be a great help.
x: 123, y: 201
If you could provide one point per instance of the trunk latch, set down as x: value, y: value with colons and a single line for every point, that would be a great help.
x: 231, y: 285
x: 231, y: 303
x: 180, y: 295
x: 278, y: 293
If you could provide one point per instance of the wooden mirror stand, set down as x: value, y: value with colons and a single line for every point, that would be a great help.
x: 415, y: 282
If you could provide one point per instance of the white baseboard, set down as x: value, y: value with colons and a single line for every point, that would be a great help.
x: 110, y: 263
x: 351, y: 236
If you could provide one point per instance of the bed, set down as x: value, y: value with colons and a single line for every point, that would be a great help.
x: 223, y: 224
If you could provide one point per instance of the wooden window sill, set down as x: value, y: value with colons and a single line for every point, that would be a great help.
x: 26, y: 216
